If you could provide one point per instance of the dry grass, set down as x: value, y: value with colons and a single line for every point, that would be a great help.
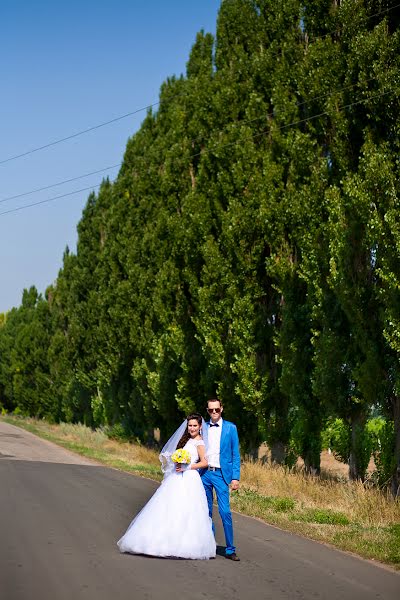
x: 132, y: 453
x: 345, y: 514
x: 362, y: 505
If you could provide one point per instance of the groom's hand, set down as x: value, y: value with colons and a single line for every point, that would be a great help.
x: 234, y: 485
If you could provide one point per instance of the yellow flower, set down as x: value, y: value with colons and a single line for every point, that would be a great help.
x: 181, y: 456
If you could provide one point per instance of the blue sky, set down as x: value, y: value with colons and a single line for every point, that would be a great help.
x: 68, y: 66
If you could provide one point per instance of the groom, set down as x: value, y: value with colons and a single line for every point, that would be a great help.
x: 223, y: 469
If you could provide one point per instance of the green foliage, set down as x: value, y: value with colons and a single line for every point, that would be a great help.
x: 377, y: 439
x: 336, y: 436
x: 119, y: 432
x: 383, y: 442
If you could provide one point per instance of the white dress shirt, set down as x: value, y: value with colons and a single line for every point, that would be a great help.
x: 214, y: 444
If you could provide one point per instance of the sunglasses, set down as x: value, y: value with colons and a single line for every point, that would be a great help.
x: 211, y: 410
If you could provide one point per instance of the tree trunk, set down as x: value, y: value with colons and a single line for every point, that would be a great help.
x: 356, y: 467
x: 395, y: 483
x: 249, y: 437
x: 278, y: 453
x: 251, y: 453
x: 311, y: 444
x: 312, y: 464
x: 280, y: 431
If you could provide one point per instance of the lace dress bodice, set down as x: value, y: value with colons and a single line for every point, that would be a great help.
x: 191, y: 446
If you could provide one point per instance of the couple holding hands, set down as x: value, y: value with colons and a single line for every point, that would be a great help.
x: 177, y: 520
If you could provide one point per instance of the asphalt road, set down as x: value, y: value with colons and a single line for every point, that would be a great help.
x: 61, y: 515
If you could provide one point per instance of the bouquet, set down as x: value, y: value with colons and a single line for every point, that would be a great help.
x: 181, y: 456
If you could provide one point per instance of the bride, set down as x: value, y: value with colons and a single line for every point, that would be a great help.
x: 175, y: 521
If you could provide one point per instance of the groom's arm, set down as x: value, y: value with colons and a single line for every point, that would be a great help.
x: 235, y: 455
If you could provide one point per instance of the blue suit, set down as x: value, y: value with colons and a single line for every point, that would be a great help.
x: 219, y: 480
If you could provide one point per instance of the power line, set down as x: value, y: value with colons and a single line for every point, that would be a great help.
x: 92, y: 187
x: 208, y: 150
x: 100, y: 125
x: 298, y: 104
x: 74, y: 135
x: 237, y: 123
x: 385, y: 10
x: 300, y: 121
x: 47, y: 187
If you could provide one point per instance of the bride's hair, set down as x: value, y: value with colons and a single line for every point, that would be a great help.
x: 186, y: 435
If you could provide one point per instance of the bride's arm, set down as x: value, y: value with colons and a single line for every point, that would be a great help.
x: 203, y: 462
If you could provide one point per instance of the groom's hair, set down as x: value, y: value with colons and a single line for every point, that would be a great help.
x: 214, y: 400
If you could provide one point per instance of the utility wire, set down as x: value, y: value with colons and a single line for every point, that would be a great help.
x: 74, y: 135
x: 193, y: 141
x: 47, y: 187
x: 381, y: 12
x: 82, y: 132
x: 384, y: 10
x: 298, y: 104
x: 218, y: 147
x: 50, y: 199
x: 312, y: 117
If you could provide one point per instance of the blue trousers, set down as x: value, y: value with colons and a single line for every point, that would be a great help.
x: 214, y: 480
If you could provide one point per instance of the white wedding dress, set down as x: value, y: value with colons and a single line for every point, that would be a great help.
x: 175, y: 521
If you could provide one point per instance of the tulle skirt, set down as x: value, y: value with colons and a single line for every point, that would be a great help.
x: 175, y: 521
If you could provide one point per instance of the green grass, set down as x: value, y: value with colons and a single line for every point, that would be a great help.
x: 376, y: 543
x: 247, y: 497
x: 321, y: 516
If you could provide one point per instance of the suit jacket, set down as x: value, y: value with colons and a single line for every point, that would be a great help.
x: 229, y: 452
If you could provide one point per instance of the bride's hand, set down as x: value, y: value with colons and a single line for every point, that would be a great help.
x: 181, y: 467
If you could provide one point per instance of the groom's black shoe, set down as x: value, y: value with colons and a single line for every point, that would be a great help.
x: 232, y: 556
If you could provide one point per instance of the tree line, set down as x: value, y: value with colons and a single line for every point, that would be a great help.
x: 248, y: 248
